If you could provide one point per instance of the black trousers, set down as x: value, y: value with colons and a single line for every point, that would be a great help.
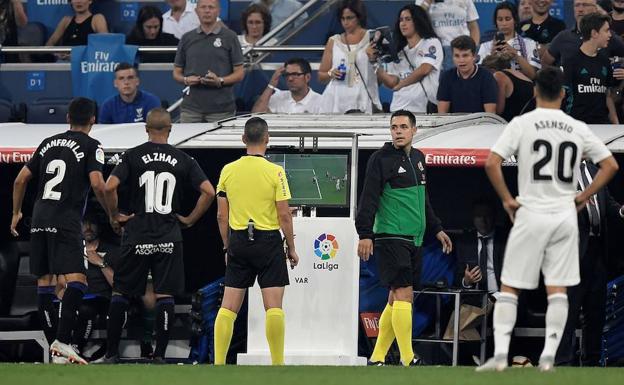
x: 589, y: 299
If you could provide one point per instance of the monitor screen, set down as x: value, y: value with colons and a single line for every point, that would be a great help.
x: 316, y: 179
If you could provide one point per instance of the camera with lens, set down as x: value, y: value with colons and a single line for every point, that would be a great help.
x: 381, y: 39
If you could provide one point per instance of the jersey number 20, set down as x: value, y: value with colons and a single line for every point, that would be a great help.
x: 566, y: 159
x: 158, y: 191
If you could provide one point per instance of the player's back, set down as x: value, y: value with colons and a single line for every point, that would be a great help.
x: 550, y: 145
x: 62, y: 164
x: 154, y: 175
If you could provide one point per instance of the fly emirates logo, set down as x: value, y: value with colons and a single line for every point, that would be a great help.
x: 594, y: 87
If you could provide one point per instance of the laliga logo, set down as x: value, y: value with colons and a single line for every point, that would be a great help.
x: 326, y: 248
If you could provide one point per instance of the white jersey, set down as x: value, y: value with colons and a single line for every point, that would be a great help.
x: 282, y: 102
x: 415, y: 96
x: 450, y: 18
x: 549, y: 145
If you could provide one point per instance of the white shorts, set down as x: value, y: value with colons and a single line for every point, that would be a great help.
x: 546, y: 241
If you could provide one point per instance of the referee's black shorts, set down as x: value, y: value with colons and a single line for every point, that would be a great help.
x: 263, y: 258
x: 398, y: 261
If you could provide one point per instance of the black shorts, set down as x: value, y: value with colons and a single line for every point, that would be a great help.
x: 399, y: 262
x: 263, y: 257
x: 164, y: 260
x: 56, y: 251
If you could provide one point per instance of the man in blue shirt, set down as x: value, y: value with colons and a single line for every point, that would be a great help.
x: 466, y: 87
x: 131, y: 105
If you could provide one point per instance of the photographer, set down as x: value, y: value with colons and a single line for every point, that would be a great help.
x: 521, y: 50
x: 414, y: 79
x: 209, y: 61
x: 345, y: 66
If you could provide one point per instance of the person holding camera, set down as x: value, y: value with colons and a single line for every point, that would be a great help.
x: 522, y: 51
x: 209, y: 62
x: 345, y: 66
x: 414, y: 79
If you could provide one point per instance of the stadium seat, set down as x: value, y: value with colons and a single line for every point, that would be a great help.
x: 49, y: 110
x: 6, y: 109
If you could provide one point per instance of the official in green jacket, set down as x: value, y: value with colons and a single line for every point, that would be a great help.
x: 394, y: 212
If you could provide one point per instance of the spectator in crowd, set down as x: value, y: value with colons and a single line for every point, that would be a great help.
x: 282, y: 10
x: 148, y: 32
x: 452, y: 18
x: 180, y: 18
x: 589, y: 76
x: 524, y: 10
x: 12, y: 16
x: 209, y: 61
x: 521, y: 50
x: 131, y: 105
x: 541, y: 27
x: 590, y: 294
x: 414, y: 79
x: 617, y: 17
x: 567, y: 42
x: 345, y: 66
x: 74, y: 30
x: 466, y: 87
x: 299, y: 98
x: 255, y: 22
x: 515, y: 90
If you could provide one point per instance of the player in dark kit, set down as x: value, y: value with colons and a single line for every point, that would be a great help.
x: 66, y: 166
x: 153, y: 174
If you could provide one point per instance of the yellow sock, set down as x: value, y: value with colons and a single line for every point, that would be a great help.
x: 385, y: 337
x: 402, y: 325
x: 275, y: 334
x: 224, y: 325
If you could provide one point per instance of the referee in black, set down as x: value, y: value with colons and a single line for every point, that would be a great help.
x: 252, y: 199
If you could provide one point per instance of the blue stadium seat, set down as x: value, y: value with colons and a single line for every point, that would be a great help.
x: 6, y: 109
x: 48, y: 110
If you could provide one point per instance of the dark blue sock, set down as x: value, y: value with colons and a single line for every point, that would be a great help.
x: 48, y: 316
x: 117, y: 316
x: 165, y: 313
x: 69, y: 309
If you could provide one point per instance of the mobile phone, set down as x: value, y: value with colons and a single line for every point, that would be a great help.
x: 500, y: 38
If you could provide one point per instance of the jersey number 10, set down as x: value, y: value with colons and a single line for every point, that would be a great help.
x: 158, y: 191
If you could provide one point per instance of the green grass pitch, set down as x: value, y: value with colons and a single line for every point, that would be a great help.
x: 30, y: 374
x: 312, y: 178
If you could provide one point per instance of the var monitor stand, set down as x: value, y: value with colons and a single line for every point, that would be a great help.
x: 305, y: 211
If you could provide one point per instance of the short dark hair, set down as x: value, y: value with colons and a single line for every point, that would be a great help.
x: 592, y: 22
x: 511, y: 8
x: 263, y: 11
x: 549, y: 82
x: 81, y: 111
x: 255, y: 129
x: 464, y: 43
x: 407, y: 113
x: 301, y: 62
x: 355, y: 6
x: 126, y: 66
x: 496, y: 62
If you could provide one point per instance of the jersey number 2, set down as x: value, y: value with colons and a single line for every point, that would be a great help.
x: 57, y: 167
x: 566, y: 151
x: 158, y: 191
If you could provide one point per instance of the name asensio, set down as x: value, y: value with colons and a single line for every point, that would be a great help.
x: 553, y: 125
x: 159, y: 157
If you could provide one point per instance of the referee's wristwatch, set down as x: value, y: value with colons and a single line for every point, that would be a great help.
x: 221, y: 82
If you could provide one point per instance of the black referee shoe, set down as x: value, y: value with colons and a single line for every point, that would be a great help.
x: 375, y: 363
x: 416, y: 361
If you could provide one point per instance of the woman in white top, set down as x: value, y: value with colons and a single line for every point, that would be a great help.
x: 352, y: 81
x: 414, y: 79
x: 521, y: 50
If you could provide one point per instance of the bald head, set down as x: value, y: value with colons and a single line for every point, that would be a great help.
x: 158, y: 119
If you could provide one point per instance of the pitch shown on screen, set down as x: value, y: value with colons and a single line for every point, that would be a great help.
x: 316, y: 179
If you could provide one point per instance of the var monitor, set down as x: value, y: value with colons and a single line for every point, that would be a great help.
x: 318, y: 180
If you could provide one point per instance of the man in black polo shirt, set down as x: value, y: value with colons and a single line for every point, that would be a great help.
x: 588, y: 75
x: 541, y: 27
x: 210, y: 62
x: 565, y: 44
x: 154, y: 175
x: 466, y: 87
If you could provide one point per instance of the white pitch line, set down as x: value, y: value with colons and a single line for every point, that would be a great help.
x: 317, y: 185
